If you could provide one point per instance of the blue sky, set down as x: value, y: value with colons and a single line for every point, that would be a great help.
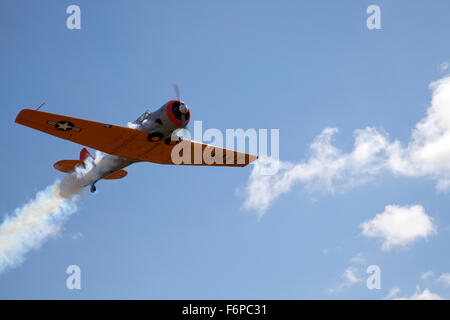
x: 181, y: 232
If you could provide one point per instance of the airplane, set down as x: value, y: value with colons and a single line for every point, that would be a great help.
x: 150, y: 138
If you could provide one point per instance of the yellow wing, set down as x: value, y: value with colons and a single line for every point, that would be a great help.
x: 130, y: 143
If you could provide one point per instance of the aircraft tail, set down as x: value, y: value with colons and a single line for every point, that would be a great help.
x: 68, y: 166
x: 84, y: 154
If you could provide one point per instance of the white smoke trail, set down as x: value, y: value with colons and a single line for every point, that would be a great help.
x: 33, y: 223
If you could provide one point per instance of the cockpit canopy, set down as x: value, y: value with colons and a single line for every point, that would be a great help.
x: 144, y: 116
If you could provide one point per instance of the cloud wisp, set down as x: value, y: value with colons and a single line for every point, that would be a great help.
x: 426, y: 294
x: 351, y: 275
x: 427, y: 275
x: 444, y: 279
x: 329, y: 169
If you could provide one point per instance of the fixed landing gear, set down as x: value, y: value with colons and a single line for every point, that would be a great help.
x: 93, y: 188
x: 154, y: 136
x: 171, y: 142
x: 158, y: 136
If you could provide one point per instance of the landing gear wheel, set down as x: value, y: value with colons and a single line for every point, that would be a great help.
x: 93, y: 188
x: 154, y: 136
x: 171, y: 142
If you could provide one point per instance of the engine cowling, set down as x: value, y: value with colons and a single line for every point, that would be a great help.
x: 174, y: 112
x: 162, y: 122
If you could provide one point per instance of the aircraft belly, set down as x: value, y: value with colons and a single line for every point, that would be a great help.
x: 109, y: 164
x: 106, y: 166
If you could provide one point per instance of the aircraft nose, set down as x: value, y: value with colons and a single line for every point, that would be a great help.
x: 183, y: 108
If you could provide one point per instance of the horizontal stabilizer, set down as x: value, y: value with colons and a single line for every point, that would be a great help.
x: 67, y: 166
x: 119, y: 174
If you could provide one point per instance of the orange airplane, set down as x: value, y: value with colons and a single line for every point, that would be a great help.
x: 151, y: 139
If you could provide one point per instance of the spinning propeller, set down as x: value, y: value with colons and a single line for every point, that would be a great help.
x: 183, y: 107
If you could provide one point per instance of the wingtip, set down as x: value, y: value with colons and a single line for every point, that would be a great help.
x: 19, y: 115
x: 252, y: 158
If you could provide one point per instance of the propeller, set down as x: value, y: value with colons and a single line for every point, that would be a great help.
x: 177, y: 91
x: 183, y: 107
x: 183, y: 120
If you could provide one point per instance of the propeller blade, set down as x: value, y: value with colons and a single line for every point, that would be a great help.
x: 177, y: 91
x: 183, y: 120
x: 183, y: 112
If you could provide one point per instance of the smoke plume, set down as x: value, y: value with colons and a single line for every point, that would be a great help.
x: 33, y: 223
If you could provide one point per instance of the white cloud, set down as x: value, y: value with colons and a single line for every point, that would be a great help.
x: 399, y: 226
x: 77, y: 236
x: 443, y: 66
x: 349, y: 278
x: 443, y: 185
x: 392, y: 293
x: 424, y: 295
x: 445, y: 279
x: 351, y: 275
x: 358, y: 259
x: 327, y: 168
x: 330, y: 169
x: 427, y: 275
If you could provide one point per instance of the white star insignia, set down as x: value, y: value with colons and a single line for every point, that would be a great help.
x: 64, y: 126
